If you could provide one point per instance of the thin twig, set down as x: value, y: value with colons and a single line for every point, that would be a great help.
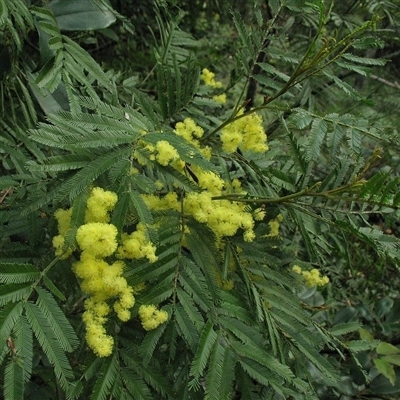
x: 386, y: 82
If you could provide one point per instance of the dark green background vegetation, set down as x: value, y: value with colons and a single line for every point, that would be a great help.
x: 325, y: 77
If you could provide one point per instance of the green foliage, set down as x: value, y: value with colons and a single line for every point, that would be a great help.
x: 241, y: 322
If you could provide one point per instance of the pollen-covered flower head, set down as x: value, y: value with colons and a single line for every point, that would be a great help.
x: 97, y: 239
x: 98, y: 341
x: 166, y: 153
x: 136, y: 245
x: 246, y: 132
x: 311, y: 278
x: 220, y: 98
x: 208, y: 78
x: 89, y: 267
x: 189, y: 131
x: 99, y: 204
x: 150, y: 317
x: 63, y: 218
x: 58, y: 244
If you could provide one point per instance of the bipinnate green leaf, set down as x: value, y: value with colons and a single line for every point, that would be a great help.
x: 106, y: 378
x: 186, y: 326
x: 44, y: 332
x: 13, y: 381
x: 141, y: 208
x: 213, y: 379
x: 318, y: 131
x: 14, y: 292
x: 207, y: 339
x: 85, y: 60
x: 150, y: 342
x: 18, y: 273
x: 3, y: 12
x: 56, y: 318
x: 9, y: 315
x: 23, y: 340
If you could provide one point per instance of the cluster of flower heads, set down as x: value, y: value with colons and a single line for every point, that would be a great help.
x: 246, y: 133
x: 208, y: 78
x: 102, y: 281
x: 150, y: 317
x: 136, y: 245
x: 311, y: 278
x: 224, y: 217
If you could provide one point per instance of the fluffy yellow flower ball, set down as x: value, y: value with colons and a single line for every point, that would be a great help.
x: 99, y: 204
x: 189, y: 131
x: 150, y: 317
x: 311, y: 278
x: 63, y: 218
x: 246, y: 132
x: 97, y: 339
x: 97, y: 239
x: 220, y: 98
x: 208, y: 78
x: 166, y: 153
x: 136, y: 245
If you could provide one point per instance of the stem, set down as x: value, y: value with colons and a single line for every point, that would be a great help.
x: 42, y: 275
x: 333, y: 194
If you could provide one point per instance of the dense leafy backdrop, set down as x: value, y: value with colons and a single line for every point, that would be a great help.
x: 97, y: 94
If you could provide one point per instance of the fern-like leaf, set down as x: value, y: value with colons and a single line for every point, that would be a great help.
x: 106, y: 378
x: 48, y: 341
x: 150, y: 342
x: 13, y: 377
x: 57, y: 320
x: 189, y: 306
x: 207, y: 339
x: 24, y: 346
x: 135, y: 386
x: 9, y: 315
x: 84, y: 59
x: 17, y: 273
x: 186, y: 326
x: 14, y: 292
x: 213, y: 379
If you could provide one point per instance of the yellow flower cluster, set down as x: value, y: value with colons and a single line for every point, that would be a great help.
x: 208, y: 78
x: 136, y: 245
x: 101, y: 280
x: 63, y: 218
x: 150, y: 317
x: 166, y: 153
x: 189, y: 131
x: 220, y: 98
x: 163, y: 152
x: 97, y: 239
x: 99, y: 204
x: 246, y: 133
x: 311, y: 278
x: 274, y: 225
x: 223, y: 217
